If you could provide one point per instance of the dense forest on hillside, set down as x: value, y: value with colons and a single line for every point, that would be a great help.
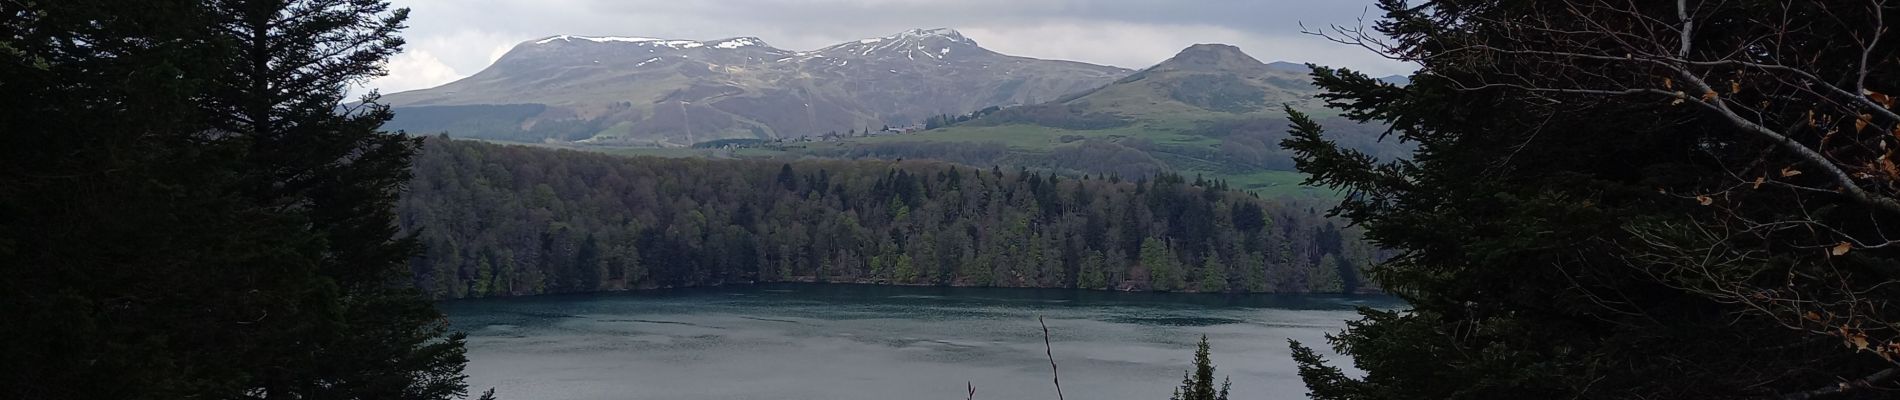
x: 514, y: 220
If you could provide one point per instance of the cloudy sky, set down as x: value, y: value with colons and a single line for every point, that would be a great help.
x: 451, y: 39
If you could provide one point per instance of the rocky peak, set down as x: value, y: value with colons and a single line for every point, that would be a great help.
x: 1210, y: 57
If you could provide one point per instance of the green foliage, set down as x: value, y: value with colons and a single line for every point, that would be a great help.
x: 190, y: 213
x: 904, y: 272
x: 560, y: 221
x: 714, y: 144
x: 1212, y: 277
x: 1325, y: 277
x: 1326, y: 382
x: 1054, y: 115
x: 1198, y: 384
x: 1252, y: 267
x: 1164, y: 271
x: 1218, y: 92
x: 946, y: 120
x: 1093, y: 274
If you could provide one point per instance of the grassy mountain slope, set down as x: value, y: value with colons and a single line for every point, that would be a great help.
x: 1210, y: 110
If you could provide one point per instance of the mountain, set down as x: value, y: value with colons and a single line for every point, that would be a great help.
x: 1288, y: 66
x: 1203, y: 84
x: 1400, y: 80
x: 1211, y: 110
x: 648, y: 91
x: 1203, y: 78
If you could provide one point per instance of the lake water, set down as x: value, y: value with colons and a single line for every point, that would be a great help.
x: 850, y: 342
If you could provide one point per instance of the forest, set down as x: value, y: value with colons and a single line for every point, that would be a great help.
x: 501, y: 220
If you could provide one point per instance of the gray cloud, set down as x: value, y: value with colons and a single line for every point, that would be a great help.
x: 449, y: 39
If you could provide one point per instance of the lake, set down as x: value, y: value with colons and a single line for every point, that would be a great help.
x: 850, y: 342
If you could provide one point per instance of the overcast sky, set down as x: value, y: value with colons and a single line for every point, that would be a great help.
x: 451, y: 39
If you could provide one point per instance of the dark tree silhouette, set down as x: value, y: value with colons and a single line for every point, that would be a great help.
x: 190, y: 210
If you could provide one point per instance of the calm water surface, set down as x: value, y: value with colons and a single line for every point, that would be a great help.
x: 851, y: 342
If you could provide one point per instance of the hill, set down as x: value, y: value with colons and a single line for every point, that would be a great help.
x: 1210, y: 110
x: 1202, y: 79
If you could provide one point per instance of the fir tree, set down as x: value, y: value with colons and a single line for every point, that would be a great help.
x: 236, y: 217
x: 1198, y: 384
x: 332, y: 165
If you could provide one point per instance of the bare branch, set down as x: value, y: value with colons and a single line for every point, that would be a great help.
x: 1688, y: 27
x: 1050, y: 351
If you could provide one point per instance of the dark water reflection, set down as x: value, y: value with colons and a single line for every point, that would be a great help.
x: 803, y: 341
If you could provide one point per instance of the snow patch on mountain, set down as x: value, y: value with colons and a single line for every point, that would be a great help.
x: 732, y: 43
x: 933, y: 44
x: 600, y: 39
x: 739, y: 42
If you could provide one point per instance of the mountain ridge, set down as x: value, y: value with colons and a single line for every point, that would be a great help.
x: 675, y: 92
x: 660, y: 92
x: 1210, y: 110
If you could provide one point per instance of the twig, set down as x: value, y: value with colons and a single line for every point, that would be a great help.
x: 972, y: 386
x: 1047, y: 349
x: 1688, y: 27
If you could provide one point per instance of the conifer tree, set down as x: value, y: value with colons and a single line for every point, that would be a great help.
x: 1198, y: 384
x: 329, y: 164
x: 236, y: 217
